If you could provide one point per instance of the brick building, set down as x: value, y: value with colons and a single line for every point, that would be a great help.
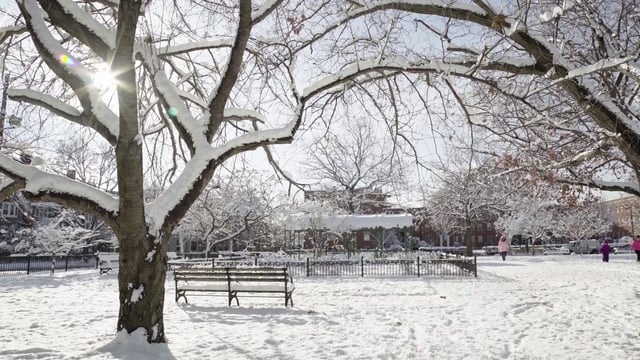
x: 625, y: 215
x: 422, y: 231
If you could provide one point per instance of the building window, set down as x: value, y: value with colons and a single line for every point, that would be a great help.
x: 40, y: 213
x: 52, y: 212
x: 8, y: 210
x: 366, y: 236
x: 298, y: 240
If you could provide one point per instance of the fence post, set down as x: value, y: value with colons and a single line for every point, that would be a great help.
x: 361, y: 266
x: 97, y: 261
x: 418, y: 259
x: 53, y: 264
x: 28, y: 264
x: 307, y: 266
x: 475, y: 266
x: 66, y: 263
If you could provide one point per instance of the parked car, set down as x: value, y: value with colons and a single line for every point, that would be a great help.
x: 490, y: 249
x: 622, y: 244
x: 625, y: 240
x: 558, y: 250
x: 456, y: 250
x: 588, y: 246
x: 395, y: 247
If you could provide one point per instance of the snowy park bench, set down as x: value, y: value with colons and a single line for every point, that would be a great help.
x: 259, y: 281
x: 108, y: 262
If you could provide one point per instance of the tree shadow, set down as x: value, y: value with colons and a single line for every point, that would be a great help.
x: 239, y: 315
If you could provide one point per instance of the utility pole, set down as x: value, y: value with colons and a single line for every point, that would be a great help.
x: 633, y: 231
x: 3, y: 106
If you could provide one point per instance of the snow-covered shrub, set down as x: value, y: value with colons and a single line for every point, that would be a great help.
x: 5, y: 249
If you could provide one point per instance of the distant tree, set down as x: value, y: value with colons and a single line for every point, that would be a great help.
x: 316, y: 221
x: 391, y: 238
x: 230, y: 206
x: 584, y: 221
x: 66, y: 232
x: 532, y: 218
x: 468, y: 193
x: 354, y: 166
x: 82, y: 157
x: 441, y: 217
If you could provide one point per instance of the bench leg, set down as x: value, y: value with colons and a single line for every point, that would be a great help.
x: 288, y: 298
x: 233, y: 295
x: 181, y: 294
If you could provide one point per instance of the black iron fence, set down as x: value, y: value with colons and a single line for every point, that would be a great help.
x: 31, y: 264
x: 420, y: 266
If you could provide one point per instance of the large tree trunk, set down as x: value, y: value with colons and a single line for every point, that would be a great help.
x: 468, y: 239
x: 142, y: 255
x: 142, y: 284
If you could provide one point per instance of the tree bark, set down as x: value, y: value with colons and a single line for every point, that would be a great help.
x: 468, y: 239
x: 142, y: 284
x: 141, y: 275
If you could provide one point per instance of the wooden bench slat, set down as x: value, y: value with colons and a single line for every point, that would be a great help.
x: 248, y: 278
x: 259, y: 288
x: 202, y: 277
x: 218, y: 287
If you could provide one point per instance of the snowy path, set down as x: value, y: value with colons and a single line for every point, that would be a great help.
x: 555, y: 307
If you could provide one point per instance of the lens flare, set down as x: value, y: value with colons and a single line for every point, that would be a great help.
x: 104, y: 79
x: 66, y: 60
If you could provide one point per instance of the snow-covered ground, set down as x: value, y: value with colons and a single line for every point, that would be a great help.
x: 543, y: 307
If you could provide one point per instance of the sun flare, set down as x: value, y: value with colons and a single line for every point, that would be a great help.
x: 104, y: 79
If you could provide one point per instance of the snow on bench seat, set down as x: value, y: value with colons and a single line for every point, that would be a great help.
x: 213, y: 287
x: 260, y: 288
x: 232, y: 281
x: 108, y: 262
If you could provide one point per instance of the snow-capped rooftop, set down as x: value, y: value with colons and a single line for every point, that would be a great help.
x: 348, y: 222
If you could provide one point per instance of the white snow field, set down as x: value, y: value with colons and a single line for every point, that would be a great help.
x: 543, y: 307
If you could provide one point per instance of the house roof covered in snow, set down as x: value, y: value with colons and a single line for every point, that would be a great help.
x: 347, y: 222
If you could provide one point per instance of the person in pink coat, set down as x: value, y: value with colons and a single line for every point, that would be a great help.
x: 635, y: 246
x: 503, y: 247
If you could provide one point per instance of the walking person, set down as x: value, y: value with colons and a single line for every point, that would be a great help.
x: 503, y: 247
x: 605, y: 250
x: 635, y: 246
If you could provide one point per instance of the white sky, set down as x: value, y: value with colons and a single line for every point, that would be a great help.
x: 611, y: 195
x: 543, y: 307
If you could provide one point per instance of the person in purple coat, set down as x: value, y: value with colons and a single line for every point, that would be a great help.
x: 605, y: 250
